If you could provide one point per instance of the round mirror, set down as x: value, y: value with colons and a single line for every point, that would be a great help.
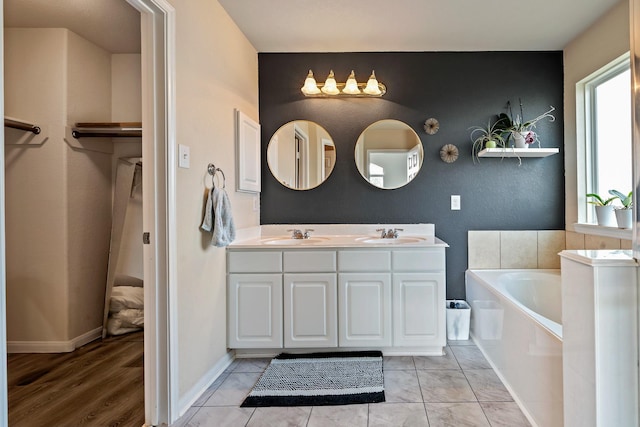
x: 389, y: 154
x: 301, y: 155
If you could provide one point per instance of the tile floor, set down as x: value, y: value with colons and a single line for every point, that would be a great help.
x: 458, y: 389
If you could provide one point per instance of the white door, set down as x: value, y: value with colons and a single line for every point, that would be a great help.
x: 310, y: 310
x: 418, y: 314
x: 364, y: 312
x: 255, y: 311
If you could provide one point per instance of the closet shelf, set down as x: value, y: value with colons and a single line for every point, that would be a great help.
x: 108, y: 130
x: 518, y: 152
x: 22, y: 125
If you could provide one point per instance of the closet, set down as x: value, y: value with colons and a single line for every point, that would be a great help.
x: 59, y: 186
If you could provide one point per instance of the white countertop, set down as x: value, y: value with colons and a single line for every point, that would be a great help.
x: 601, y: 257
x: 340, y: 236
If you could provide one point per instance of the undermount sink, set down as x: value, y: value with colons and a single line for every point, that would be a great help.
x: 291, y: 241
x: 389, y: 241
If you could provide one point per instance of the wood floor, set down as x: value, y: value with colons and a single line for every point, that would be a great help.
x: 99, y: 384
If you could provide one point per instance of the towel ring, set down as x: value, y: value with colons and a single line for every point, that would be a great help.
x: 212, y: 170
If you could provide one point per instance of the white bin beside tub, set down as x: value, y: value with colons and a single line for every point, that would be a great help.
x: 516, y: 322
x: 458, y: 320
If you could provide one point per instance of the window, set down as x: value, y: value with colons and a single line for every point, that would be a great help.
x: 607, y: 132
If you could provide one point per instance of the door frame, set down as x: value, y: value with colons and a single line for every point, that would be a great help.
x: 159, y: 215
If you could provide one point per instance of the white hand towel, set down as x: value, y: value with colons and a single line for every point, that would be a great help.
x: 224, y: 231
x: 207, y: 221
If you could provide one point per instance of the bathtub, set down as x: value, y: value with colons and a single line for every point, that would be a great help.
x: 516, y: 322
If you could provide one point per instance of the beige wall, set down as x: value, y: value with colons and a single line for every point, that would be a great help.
x: 88, y: 187
x: 58, y: 196
x: 36, y: 273
x: 601, y: 43
x: 216, y: 72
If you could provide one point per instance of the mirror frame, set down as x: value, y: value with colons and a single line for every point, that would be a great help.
x: 413, y: 156
x: 322, y: 140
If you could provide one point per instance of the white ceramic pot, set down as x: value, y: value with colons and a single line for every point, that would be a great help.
x: 624, y: 218
x: 519, y: 139
x: 605, y: 216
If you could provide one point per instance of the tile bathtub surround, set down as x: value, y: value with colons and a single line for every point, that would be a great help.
x: 497, y: 249
x: 457, y: 389
x: 515, y: 249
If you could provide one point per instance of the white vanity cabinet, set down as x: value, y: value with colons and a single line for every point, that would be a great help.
x: 310, y: 306
x: 419, y: 295
x: 254, y: 295
x: 391, y: 299
x: 310, y: 299
x: 364, y: 285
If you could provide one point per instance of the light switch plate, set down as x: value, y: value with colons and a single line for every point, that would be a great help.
x: 455, y: 202
x: 184, y: 156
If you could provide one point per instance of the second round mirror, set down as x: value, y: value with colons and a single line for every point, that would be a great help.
x: 389, y: 154
x: 301, y: 155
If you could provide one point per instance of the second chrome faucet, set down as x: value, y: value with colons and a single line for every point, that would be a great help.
x: 390, y: 234
x: 298, y: 234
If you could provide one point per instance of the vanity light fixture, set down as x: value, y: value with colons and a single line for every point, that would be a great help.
x: 351, y: 86
x: 310, y: 86
x: 373, y: 87
x: 332, y: 89
x: 330, y: 86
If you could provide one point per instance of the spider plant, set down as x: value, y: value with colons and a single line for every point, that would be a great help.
x: 485, y: 137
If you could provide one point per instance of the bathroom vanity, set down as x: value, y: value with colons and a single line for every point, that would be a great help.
x: 344, y: 287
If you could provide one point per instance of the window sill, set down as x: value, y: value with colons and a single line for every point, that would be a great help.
x: 598, y: 230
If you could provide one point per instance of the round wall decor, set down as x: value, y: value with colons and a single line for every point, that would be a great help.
x: 449, y: 153
x: 431, y: 126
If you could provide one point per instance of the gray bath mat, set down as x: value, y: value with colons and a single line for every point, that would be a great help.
x: 320, y: 379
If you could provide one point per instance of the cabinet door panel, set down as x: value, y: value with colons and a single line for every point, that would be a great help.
x: 364, y: 309
x: 255, y: 311
x: 310, y: 310
x: 419, y: 313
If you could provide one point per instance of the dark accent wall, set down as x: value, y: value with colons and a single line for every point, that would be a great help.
x: 460, y: 89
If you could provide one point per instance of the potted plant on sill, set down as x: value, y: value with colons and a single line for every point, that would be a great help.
x: 624, y: 214
x: 604, y: 209
x: 485, y: 137
x: 522, y: 132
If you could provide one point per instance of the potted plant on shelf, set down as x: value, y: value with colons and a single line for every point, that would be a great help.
x: 521, y: 131
x: 624, y: 214
x: 604, y: 209
x: 485, y: 137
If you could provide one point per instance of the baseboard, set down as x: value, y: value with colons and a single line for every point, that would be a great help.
x: 201, y: 386
x: 53, y: 346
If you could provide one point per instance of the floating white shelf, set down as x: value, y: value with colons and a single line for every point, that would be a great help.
x: 518, y: 152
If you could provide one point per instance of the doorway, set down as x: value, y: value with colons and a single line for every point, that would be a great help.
x: 158, y: 145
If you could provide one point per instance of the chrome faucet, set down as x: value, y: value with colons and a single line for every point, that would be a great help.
x: 297, y: 234
x: 390, y: 234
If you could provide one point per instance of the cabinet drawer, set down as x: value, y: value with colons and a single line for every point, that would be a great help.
x: 418, y: 260
x: 255, y: 262
x: 310, y: 261
x: 364, y: 260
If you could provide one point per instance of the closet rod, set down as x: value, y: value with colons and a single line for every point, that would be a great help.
x: 107, y: 130
x: 18, y: 124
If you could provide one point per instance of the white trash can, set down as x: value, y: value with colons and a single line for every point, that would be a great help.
x: 458, y: 319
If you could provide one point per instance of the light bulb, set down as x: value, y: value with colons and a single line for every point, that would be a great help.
x: 351, y: 87
x: 372, y: 85
x: 310, y: 86
x: 330, y: 86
